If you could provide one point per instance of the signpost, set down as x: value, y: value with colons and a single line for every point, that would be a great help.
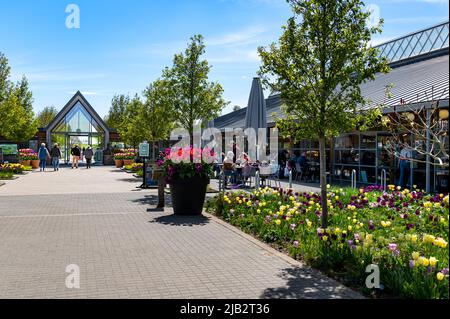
x: 144, y: 152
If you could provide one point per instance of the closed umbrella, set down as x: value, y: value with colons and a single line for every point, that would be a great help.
x: 256, y: 116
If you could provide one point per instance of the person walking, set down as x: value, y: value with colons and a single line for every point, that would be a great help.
x: 76, y: 153
x: 55, y: 154
x: 43, y: 155
x: 88, y: 154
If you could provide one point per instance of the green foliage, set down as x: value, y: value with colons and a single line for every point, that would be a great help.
x: 47, y: 115
x: 318, y: 65
x: 150, y: 119
x: 117, y: 111
x: 17, y: 120
x: 404, y: 232
x: 193, y: 97
x: 130, y: 130
x: 157, y: 114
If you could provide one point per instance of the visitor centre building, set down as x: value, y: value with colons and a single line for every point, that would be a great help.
x: 420, y: 77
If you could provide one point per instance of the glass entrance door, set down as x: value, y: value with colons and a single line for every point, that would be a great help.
x: 82, y: 141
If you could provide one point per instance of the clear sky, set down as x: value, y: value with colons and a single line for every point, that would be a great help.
x: 122, y: 45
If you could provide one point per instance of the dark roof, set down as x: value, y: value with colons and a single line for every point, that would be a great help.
x: 413, y: 83
x: 237, y: 118
x: 77, y: 97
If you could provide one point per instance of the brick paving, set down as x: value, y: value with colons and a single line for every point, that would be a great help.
x: 99, y: 221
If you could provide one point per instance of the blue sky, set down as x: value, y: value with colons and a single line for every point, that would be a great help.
x: 122, y: 45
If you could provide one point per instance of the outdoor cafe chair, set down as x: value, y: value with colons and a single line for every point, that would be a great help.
x: 247, y: 174
x: 298, y: 172
x: 274, y: 175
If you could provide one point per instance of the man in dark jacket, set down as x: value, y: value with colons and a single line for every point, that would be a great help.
x: 88, y: 154
x: 76, y: 153
x: 55, y: 154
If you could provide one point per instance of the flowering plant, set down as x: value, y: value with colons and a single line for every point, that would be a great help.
x: 27, y: 154
x: 129, y: 155
x: 404, y: 232
x: 187, y: 162
x: 118, y: 156
x: 13, y: 168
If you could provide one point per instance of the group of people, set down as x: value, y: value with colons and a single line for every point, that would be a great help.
x: 55, y: 155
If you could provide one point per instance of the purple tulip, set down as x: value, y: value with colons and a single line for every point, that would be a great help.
x: 393, y: 247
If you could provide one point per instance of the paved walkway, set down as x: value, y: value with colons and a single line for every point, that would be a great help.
x: 98, y: 220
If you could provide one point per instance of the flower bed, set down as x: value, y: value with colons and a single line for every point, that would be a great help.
x: 27, y: 154
x: 12, y: 168
x: 135, y: 167
x: 404, y: 233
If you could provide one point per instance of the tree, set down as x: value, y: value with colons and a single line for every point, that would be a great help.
x: 5, y: 84
x: 157, y: 113
x: 322, y: 58
x: 427, y: 125
x: 47, y: 115
x: 117, y: 111
x: 194, y: 98
x: 17, y: 121
x: 131, y: 129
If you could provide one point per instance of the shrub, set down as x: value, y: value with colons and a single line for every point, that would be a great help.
x: 404, y: 232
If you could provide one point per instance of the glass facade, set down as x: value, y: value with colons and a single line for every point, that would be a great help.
x: 421, y: 42
x: 366, y: 153
x: 78, y: 127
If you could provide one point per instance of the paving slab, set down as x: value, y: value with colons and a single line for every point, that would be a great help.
x: 99, y: 221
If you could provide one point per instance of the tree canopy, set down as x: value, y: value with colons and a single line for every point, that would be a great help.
x: 116, y: 114
x: 193, y: 96
x: 47, y: 115
x: 17, y: 120
x: 322, y: 58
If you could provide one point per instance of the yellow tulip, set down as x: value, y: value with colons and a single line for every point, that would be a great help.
x: 433, y: 261
x: 440, y: 276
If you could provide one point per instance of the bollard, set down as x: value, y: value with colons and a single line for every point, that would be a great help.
x: 383, y: 179
x: 257, y: 180
x: 290, y: 179
x: 353, y: 179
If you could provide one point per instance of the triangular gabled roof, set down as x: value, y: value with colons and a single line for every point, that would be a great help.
x: 78, y: 97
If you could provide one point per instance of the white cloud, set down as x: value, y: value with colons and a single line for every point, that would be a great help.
x: 246, y: 36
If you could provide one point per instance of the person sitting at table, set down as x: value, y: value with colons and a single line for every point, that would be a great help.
x: 228, y: 168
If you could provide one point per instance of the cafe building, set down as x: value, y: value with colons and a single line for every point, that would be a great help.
x: 420, y: 76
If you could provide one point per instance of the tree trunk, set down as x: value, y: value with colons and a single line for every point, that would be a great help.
x: 323, y: 181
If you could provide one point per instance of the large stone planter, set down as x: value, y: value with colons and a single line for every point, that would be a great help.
x: 34, y: 163
x: 188, y: 195
x: 25, y: 163
x: 119, y: 163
